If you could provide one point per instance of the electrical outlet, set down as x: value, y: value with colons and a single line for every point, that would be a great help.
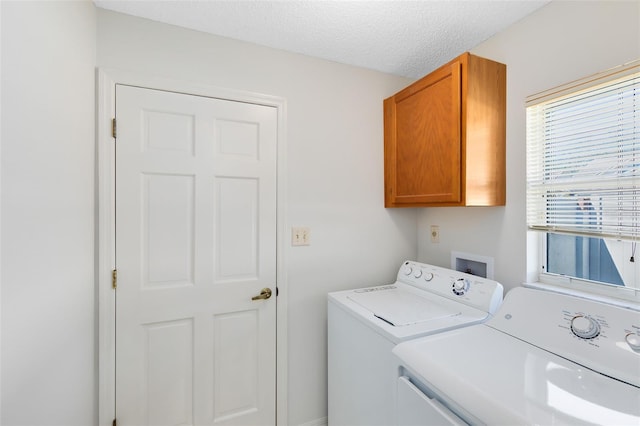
x: 300, y: 236
x: 435, y: 234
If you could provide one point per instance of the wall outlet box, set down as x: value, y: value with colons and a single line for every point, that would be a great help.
x: 481, y: 266
x: 435, y: 234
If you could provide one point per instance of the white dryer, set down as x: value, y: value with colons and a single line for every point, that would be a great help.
x: 545, y: 358
x: 365, y: 324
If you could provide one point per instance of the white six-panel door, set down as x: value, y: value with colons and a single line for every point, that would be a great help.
x: 195, y: 241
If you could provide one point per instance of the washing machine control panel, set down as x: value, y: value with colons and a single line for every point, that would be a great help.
x: 601, y: 336
x: 478, y: 292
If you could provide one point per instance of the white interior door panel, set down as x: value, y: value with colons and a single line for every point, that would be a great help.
x: 195, y: 241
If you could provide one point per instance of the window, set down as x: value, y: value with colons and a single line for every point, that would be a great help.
x: 583, y: 178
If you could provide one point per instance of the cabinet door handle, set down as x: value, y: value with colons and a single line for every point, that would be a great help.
x: 265, y: 293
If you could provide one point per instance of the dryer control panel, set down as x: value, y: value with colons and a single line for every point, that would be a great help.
x: 471, y: 290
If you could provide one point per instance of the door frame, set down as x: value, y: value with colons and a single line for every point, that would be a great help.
x: 105, y: 225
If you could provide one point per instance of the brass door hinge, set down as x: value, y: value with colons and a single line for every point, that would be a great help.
x: 114, y: 279
x: 114, y: 129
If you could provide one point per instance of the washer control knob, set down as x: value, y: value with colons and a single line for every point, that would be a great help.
x: 428, y: 276
x: 633, y: 340
x: 418, y: 273
x: 407, y: 270
x: 585, y: 327
x: 460, y: 286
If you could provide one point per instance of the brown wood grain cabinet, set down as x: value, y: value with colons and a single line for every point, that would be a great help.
x: 445, y: 137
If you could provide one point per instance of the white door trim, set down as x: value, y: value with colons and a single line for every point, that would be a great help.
x: 105, y: 245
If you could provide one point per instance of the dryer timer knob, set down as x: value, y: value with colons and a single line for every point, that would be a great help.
x: 407, y: 270
x: 585, y: 327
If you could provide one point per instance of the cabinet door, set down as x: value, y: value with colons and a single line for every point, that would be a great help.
x: 423, y: 141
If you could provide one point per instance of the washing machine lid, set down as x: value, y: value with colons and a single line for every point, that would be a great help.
x: 499, y: 379
x: 401, y: 308
x: 383, y: 309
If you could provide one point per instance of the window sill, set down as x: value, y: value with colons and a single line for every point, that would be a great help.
x: 614, y: 295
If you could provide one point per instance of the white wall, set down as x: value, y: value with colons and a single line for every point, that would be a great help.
x: 335, y: 170
x: 559, y: 43
x: 334, y: 137
x: 48, y: 335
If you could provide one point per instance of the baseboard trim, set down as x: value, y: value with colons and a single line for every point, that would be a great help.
x: 318, y: 422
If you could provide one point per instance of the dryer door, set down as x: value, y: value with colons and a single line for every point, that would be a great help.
x: 414, y: 408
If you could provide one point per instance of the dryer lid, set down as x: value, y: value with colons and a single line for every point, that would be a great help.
x: 401, y: 308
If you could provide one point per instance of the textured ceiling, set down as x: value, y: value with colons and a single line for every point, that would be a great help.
x: 402, y: 37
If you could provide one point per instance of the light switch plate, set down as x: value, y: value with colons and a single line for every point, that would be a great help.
x: 300, y: 236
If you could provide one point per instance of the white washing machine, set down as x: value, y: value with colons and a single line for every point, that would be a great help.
x: 365, y: 324
x: 545, y: 358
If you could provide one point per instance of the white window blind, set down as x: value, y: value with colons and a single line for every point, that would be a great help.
x: 583, y: 156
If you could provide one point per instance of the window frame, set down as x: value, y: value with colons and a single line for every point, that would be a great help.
x: 566, y: 283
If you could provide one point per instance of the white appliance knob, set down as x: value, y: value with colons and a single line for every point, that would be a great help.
x: 418, y: 273
x: 633, y: 340
x: 408, y: 270
x: 428, y: 276
x: 585, y: 327
x: 460, y: 285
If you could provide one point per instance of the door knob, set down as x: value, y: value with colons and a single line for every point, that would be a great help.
x: 264, y: 294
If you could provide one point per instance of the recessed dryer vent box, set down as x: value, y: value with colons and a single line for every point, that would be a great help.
x: 474, y: 264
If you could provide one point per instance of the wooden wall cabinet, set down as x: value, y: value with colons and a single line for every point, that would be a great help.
x: 445, y: 137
